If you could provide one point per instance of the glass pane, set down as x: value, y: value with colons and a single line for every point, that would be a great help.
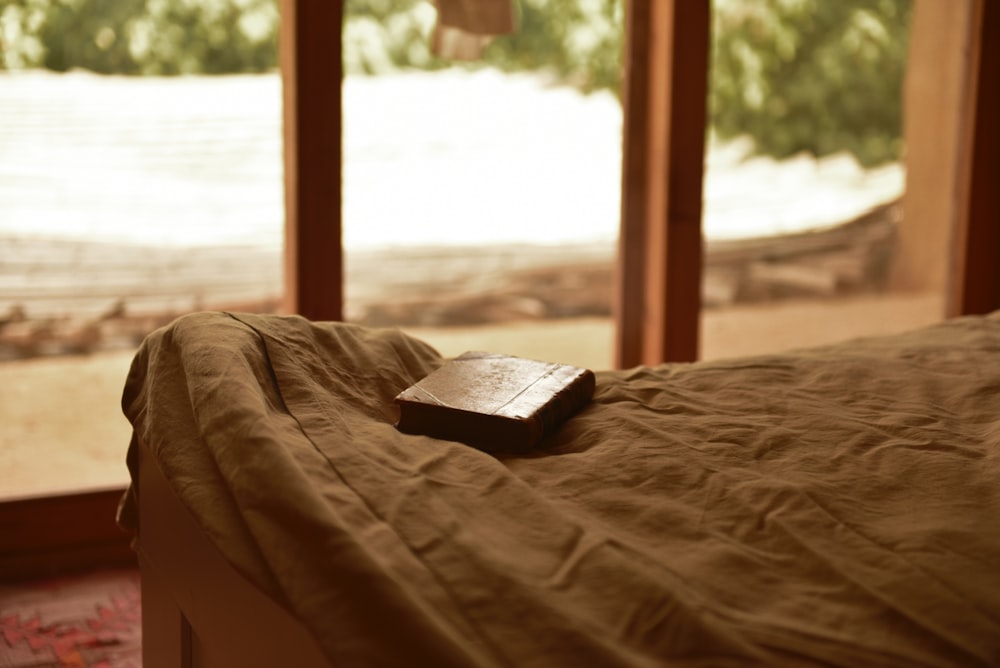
x: 482, y: 198
x: 806, y: 177
x: 127, y: 198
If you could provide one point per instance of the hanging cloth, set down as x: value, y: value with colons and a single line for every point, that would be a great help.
x: 465, y: 27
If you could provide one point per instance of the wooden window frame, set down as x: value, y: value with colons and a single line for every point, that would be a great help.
x: 665, y: 90
x: 48, y: 536
x: 659, y: 264
x: 312, y: 74
x: 975, y: 261
x: 658, y: 292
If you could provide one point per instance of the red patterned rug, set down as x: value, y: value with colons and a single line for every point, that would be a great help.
x: 92, y: 621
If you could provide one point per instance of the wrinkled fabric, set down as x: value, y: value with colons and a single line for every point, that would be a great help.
x: 834, y: 506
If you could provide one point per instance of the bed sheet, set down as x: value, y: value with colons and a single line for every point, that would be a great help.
x: 837, y: 505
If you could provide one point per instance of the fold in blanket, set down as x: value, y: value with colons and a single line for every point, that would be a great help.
x: 835, y: 506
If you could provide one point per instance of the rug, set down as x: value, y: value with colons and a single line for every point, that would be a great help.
x: 90, y: 621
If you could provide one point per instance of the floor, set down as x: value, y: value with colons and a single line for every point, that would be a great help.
x: 89, y: 621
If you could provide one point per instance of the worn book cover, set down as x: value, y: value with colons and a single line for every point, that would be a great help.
x: 494, y: 402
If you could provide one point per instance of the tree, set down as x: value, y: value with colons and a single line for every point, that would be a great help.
x: 141, y: 36
x: 795, y: 75
x: 811, y: 75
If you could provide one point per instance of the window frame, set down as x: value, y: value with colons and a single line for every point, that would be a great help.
x: 659, y: 264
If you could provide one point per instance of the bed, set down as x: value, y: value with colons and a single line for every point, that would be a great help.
x: 833, y: 506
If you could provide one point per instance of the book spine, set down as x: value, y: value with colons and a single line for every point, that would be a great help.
x: 565, y: 403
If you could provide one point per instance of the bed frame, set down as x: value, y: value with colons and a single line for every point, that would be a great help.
x: 196, y: 609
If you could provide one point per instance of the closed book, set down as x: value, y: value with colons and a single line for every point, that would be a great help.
x: 494, y: 402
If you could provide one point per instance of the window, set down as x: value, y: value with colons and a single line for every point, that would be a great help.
x: 482, y: 197
x: 808, y: 231
x: 660, y: 292
x: 128, y: 196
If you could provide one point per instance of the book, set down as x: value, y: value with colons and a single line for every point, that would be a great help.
x: 494, y: 402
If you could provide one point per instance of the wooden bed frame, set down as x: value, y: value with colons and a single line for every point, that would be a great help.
x: 197, y: 610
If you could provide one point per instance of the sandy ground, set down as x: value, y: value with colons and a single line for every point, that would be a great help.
x: 63, y: 427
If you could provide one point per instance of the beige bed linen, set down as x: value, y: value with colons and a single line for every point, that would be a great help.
x: 837, y: 506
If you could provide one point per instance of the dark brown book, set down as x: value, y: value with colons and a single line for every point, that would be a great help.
x: 494, y: 402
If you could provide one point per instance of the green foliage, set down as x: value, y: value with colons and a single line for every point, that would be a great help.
x: 385, y: 35
x: 140, y: 36
x: 796, y: 75
x: 194, y: 36
x: 811, y: 75
x: 579, y: 40
x: 103, y: 49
